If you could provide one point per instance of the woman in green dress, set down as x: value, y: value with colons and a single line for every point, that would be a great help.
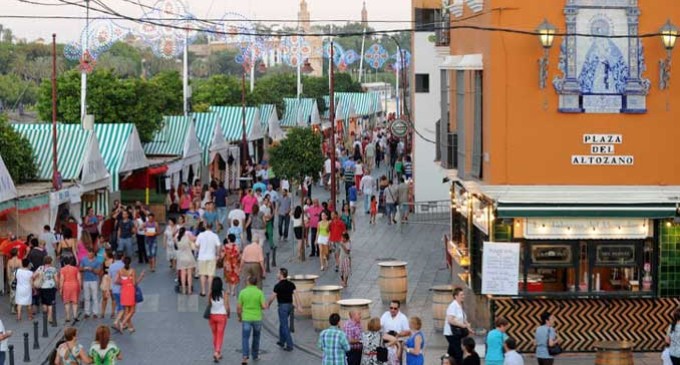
x: 104, y: 351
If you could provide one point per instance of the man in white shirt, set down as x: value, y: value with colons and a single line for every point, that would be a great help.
x: 511, y: 355
x: 50, y: 241
x: 327, y: 172
x: 366, y: 186
x: 209, y: 245
x: 394, y: 320
x: 237, y: 214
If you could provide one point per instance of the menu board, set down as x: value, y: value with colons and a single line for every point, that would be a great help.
x: 551, y: 255
x: 615, y: 255
x: 500, y: 268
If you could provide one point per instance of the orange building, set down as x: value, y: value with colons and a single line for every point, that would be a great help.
x: 566, y: 176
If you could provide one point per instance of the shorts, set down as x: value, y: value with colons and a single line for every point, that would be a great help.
x: 298, y: 232
x: 116, y: 298
x: 48, y: 296
x: 322, y: 240
x: 334, y: 246
x: 352, y: 204
x: 207, y: 267
x: 151, y: 246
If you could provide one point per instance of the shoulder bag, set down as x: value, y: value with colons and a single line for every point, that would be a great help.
x: 206, y: 312
x: 553, y: 350
x: 139, y: 296
x: 38, y: 281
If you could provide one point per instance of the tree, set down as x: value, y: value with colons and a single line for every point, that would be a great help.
x: 297, y: 156
x: 17, y: 153
x: 114, y: 100
x: 217, y: 90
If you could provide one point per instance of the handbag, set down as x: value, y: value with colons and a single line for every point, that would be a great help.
x: 381, y: 354
x: 139, y: 296
x: 553, y: 350
x: 461, y: 332
x: 13, y: 285
x: 38, y: 281
x: 206, y: 312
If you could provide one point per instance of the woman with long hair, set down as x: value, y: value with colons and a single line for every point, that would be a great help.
x: 84, y: 244
x: 470, y: 355
x: 322, y: 240
x: 67, y: 247
x: 219, y: 312
x: 169, y: 242
x: 232, y: 264
x: 103, y: 350
x: 70, y: 283
x: 71, y: 352
x: 127, y: 277
x: 186, y: 262
x: 13, y: 266
x: 105, y: 284
x: 298, y: 231
x: 673, y: 338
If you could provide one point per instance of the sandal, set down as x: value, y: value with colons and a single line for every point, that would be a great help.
x: 244, y: 361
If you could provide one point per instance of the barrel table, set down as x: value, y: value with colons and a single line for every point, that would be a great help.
x: 393, y: 281
x: 441, y: 298
x: 303, y: 289
x: 360, y: 305
x: 614, y: 353
x: 324, y: 303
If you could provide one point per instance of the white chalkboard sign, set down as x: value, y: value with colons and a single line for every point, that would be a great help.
x: 500, y: 268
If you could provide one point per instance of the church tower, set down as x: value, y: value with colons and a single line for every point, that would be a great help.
x: 303, y: 17
x: 364, y: 16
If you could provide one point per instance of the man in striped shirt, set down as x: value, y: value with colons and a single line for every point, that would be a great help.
x: 333, y: 342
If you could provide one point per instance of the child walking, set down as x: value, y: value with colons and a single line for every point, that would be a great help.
x: 374, y: 209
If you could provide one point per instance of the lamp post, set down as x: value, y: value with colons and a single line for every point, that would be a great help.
x: 546, y: 34
x: 669, y: 35
x: 331, y: 115
x: 244, y: 137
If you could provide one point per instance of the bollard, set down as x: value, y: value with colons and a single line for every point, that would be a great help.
x: 11, y: 354
x: 54, y: 315
x: 36, y: 345
x: 44, y: 330
x: 27, y: 355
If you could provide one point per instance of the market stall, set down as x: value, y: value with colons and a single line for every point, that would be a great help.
x: 231, y: 118
x: 269, y: 119
x: 302, y: 112
x: 214, y: 147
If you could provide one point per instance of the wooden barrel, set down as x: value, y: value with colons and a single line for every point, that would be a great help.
x: 441, y: 298
x: 614, y: 353
x: 393, y: 281
x: 361, y: 305
x: 303, y: 288
x: 324, y: 303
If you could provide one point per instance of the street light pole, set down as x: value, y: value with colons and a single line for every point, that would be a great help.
x: 244, y: 137
x: 55, y: 166
x: 331, y: 115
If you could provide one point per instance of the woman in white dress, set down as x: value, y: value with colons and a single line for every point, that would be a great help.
x: 169, y: 239
x: 24, y: 291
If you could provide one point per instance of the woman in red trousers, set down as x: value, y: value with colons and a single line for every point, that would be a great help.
x: 219, y: 312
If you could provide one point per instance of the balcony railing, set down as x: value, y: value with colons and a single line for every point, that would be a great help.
x: 449, y: 151
x: 442, y: 33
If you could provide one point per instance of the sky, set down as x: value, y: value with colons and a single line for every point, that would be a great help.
x: 69, y: 30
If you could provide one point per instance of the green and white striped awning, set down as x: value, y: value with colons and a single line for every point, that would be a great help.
x: 121, y: 149
x: 78, y: 154
x: 344, y: 107
x: 300, y: 112
x: 231, y: 119
x: 7, y: 189
x: 363, y: 103
x: 377, y: 102
x: 268, y: 116
x: 176, y: 138
x: 210, y: 136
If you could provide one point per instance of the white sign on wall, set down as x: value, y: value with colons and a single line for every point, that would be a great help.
x: 500, y: 268
x: 602, y: 151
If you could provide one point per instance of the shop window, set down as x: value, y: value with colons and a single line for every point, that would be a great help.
x: 592, y: 267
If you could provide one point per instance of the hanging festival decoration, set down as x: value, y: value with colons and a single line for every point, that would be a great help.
x: 234, y: 28
x: 406, y: 55
x: 295, y: 49
x: 101, y: 36
x: 338, y: 52
x: 87, y: 63
x: 376, y: 55
x: 350, y: 57
x: 175, y: 26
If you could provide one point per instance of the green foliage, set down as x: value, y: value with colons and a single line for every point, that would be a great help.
x: 17, y: 153
x: 14, y: 90
x: 114, y: 100
x: 217, y: 90
x: 298, y: 155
